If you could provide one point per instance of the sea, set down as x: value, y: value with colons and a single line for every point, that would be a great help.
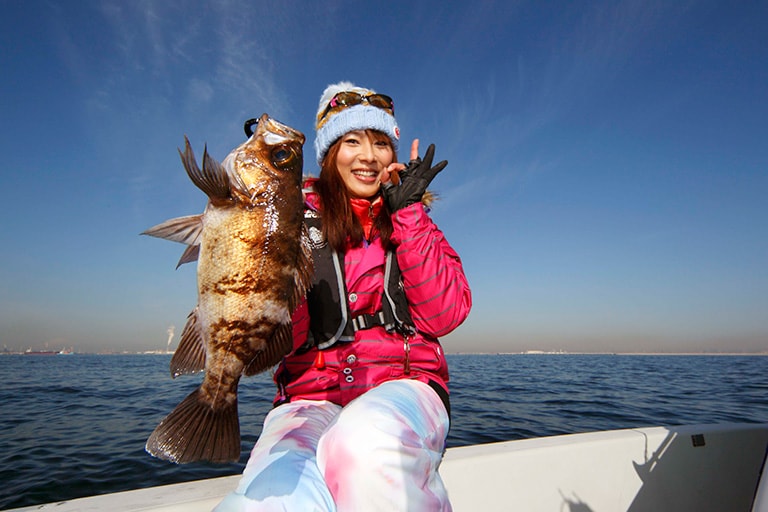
x: 75, y: 425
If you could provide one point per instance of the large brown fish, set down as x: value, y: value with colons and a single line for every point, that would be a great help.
x: 254, y: 265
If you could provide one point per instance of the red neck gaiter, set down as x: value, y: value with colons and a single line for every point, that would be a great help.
x: 366, y: 212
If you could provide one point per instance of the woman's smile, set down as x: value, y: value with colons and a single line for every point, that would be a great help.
x: 361, y: 160
x: 366, y: 175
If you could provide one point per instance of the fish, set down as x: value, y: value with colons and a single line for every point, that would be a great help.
x: 254, y: 265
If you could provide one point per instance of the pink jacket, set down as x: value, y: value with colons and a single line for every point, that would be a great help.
x: 439, y: 298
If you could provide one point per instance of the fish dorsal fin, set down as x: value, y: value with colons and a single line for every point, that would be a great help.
x: 189, y: 357
x: 212, y: 179
x: 185, y: 230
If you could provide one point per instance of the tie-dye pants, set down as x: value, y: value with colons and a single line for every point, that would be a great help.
x: 380, y: 452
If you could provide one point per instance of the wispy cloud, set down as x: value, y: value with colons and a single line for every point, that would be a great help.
x: 502, y: 122
x: 147, y: 53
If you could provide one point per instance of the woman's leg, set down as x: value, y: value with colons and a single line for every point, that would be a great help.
x: 282, y: 472
x: 383, y: 450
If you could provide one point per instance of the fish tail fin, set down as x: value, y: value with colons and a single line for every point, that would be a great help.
x: 195, y: 431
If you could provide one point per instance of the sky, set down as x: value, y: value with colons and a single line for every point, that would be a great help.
x: 606, y: 186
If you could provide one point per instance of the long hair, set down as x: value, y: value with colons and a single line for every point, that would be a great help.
x: 340, y: 224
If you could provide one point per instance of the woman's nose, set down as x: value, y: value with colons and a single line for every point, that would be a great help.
x: 366, y: 151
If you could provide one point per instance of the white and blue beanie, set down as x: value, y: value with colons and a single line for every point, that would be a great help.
x: 357, y: 117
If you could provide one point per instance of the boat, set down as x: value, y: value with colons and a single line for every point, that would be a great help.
x: 30, y: 352
x: 683, y: 468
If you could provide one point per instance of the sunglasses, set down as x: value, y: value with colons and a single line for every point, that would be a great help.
x: 349, y: 99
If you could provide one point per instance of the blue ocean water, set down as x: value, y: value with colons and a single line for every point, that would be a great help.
x: 76, y: 425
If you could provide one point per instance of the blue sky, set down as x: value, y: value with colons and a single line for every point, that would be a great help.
x: 607, y: 177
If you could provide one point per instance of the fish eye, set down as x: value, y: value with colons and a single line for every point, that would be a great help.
x: 283, y: 156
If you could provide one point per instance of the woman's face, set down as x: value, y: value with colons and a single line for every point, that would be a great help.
x: 361, y: 160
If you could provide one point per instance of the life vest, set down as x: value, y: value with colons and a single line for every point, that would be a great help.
x: 330, y: 318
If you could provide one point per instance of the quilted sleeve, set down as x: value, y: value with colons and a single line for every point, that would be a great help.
x: 434, y: 280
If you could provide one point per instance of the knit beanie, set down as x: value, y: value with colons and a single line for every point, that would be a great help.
x: 357, y: 117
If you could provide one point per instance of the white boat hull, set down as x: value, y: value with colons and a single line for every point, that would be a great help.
x: 638, y: 470
x: 690, y: 468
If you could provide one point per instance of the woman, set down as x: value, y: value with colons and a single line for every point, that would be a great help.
x: 362, y: 410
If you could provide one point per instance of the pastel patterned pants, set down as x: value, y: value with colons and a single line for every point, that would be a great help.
x: 379, y: 452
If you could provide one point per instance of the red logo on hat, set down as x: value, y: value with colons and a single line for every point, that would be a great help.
x: 397, y: 132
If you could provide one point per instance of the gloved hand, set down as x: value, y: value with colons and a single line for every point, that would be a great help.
x: 414, y: 180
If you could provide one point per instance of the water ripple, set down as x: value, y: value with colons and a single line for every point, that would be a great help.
x: 76, y: 426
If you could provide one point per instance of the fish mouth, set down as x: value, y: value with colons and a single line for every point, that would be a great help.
x: 275, y: 132
x: 274, y: 147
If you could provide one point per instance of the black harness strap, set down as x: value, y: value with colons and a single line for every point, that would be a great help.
x: 329, y: 316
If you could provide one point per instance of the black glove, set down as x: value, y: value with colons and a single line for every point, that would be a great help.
x: 414, y: 181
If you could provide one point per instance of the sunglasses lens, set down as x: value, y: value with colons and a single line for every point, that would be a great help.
x: 380, y: 101
x: 348, y: 99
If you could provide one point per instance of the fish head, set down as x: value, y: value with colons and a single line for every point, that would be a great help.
x: 273, y: 155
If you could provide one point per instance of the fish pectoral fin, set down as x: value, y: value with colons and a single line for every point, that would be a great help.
x: 278, y: 346
x: 191, y: 254
x: 185, y: 230
x: 196, y: 431
x: 189, y: 357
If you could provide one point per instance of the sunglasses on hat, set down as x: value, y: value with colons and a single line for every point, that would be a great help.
x: 349, y: 99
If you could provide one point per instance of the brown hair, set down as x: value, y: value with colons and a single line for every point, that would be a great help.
x: 340, y: 224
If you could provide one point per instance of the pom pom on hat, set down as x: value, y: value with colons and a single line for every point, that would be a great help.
x: 357, y: 117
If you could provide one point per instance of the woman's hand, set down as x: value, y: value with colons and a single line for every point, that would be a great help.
x: 392, y: 170
x: 414, y: 178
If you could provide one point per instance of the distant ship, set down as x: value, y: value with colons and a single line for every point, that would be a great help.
x: 63, y: 352
x: 30, y: 352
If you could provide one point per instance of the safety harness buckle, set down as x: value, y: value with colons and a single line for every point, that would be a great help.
x: 361, y: 322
